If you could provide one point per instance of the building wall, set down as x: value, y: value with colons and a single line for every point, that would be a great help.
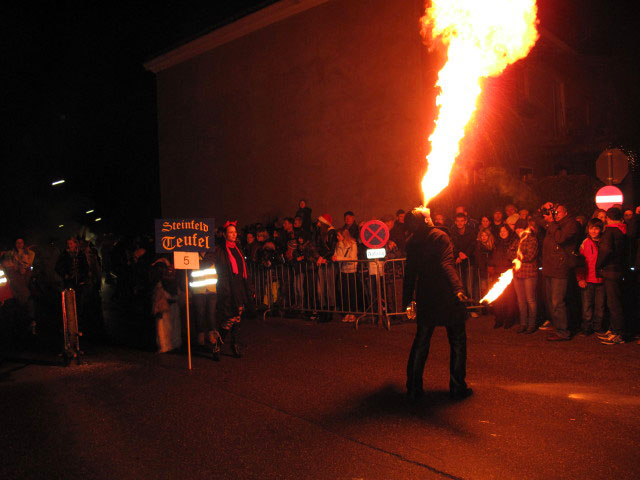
x: 332, y: 105
x: 335, y: 105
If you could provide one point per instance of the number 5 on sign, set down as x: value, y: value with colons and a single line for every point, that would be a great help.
x: 186, y: 261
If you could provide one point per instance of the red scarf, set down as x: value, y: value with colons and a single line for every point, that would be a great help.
x: 232, y: 259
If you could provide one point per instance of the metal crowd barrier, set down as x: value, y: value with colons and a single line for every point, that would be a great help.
x: 367, y: 289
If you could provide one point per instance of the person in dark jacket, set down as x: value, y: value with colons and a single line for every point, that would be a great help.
x: 498, y: 221
x: 233, y: 289
x: 325, y: 241
x: 398, y: 233
x: 431, y: 275
x: 463, y: 237
x: 350, y: 223
x: 304, y: 213
x: 634, y: 263
x: 559, y: 258
x: 482, y: 256
x: 72, y: 266
x: 304, y: 256
x: 502, y: 257
x: 611, y: 266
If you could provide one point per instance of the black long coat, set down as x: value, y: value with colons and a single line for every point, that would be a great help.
x: 430, y: 272
x: 232, y: 289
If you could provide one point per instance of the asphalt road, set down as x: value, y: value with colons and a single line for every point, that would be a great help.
x: 323, y: 401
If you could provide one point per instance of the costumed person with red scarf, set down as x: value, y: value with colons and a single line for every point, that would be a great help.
x: 233, y: 289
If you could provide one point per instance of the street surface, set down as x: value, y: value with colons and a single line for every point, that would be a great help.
x: 324, y: 401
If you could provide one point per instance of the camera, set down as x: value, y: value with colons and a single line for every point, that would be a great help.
x: 549, y: 211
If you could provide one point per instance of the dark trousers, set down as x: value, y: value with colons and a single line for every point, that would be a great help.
x: 204, y: 305
x: 613, y: 290
x: 457, y: 336
x: 556, y: 292
x: 350, y: 292
x: 592, y: 307
x: 505, y: 307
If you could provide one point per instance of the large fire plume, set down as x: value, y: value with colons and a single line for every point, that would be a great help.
x: 482, y: 39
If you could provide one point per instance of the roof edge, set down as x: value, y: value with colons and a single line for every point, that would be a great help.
x: 229, y: 32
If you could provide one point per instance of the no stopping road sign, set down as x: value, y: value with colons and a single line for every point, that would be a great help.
x: 374, y: 234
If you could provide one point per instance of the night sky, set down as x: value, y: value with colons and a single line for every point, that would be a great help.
x: 79, y: 105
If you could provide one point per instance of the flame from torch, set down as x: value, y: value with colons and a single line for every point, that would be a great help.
x: 483, y: 38
x: 503, y: 282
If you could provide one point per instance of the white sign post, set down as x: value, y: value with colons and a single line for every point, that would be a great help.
x: 187, y: 261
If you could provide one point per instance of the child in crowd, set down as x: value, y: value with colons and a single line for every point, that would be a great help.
x: 592, y: 288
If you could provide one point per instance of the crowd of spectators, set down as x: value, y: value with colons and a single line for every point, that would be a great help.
x: 570, y: 274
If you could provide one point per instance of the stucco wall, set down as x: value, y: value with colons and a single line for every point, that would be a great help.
x: 333, y: 105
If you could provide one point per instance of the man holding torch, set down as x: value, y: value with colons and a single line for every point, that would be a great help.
x: 439, y: 295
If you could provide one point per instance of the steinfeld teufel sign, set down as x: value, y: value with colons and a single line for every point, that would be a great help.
x: 184, y: 235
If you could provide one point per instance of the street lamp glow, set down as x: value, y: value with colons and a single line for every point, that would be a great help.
x: 57, y: 182
x: 89, y: 211
x: 98, y: 219
x: 60, y: 226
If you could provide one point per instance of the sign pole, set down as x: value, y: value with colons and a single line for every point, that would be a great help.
x: 185, y: 238
x: 186, y: 286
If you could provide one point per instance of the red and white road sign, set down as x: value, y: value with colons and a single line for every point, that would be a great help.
x: 609, y: 196
x: 374, y: 234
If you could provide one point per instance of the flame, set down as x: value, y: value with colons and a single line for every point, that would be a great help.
x: 501, y: 285
x: 503, y: 282
x: 483, y: 38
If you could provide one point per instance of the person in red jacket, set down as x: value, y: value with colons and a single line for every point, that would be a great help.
x: 592, y: 288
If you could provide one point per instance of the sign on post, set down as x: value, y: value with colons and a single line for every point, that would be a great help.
x: 609, y: 196
x: 612, y: 166
x: 184, y: 235
x: 186, y: 261
x: 374, y: 253
x: 375, y: 235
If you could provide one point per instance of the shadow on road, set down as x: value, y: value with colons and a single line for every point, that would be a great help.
x: 434, y: 409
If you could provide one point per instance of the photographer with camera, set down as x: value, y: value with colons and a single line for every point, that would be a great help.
x: 558, y: 261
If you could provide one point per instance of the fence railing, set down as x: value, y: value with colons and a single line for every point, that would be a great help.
x: 367, y: 289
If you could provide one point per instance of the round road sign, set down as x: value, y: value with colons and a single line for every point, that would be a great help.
x: 609, y: 196
x: 374, y: 234
x: 612, y: 166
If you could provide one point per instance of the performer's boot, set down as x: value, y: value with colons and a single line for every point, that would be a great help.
x: 235, y: 346
x: 216, y: 341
